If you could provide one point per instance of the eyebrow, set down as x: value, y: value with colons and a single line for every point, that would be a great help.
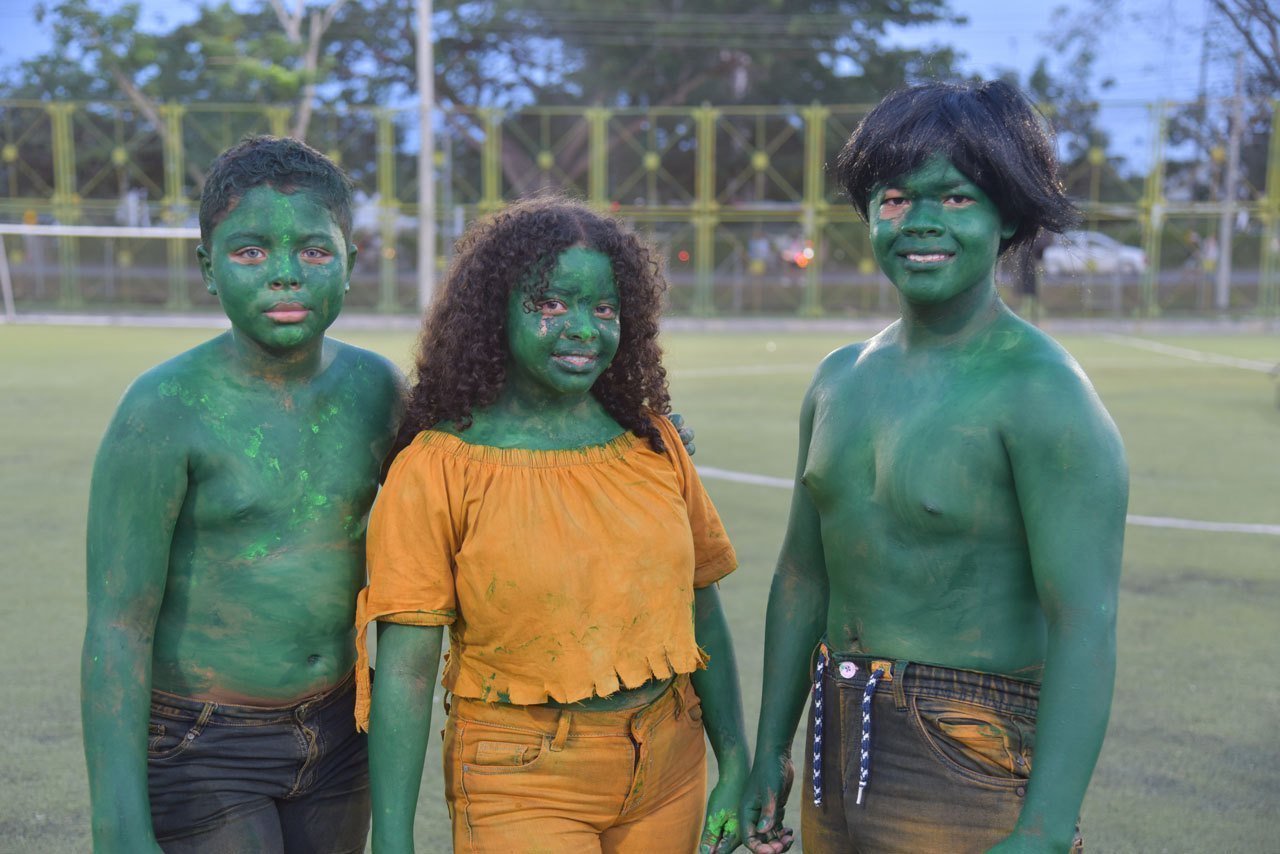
x: 260, y: 237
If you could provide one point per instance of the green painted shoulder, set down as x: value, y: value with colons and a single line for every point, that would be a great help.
x: 173, y: 380
x: 379, y: 374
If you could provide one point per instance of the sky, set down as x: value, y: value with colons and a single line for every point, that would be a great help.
x: 1151, y: 50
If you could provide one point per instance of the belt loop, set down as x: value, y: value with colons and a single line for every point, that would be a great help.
x: 677, y: 689
x: 205, y: 713
x: 899, y: 688
x: 562, y: 731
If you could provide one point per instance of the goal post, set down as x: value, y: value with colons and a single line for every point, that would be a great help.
x: 128, y: 253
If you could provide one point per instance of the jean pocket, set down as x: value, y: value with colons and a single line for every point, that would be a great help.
x: 496, y: 751
x: 975, y: 740
x: 503, y: 754
x: 168, y: 738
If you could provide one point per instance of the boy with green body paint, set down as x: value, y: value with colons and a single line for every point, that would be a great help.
x: 226, y: 542
x: 953, y: 550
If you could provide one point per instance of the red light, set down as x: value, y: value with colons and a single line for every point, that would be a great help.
x: 683, y: 255
x: 801, y: 260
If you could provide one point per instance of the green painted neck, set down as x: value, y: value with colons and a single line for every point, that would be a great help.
x: 957, y: 319
x: 252, y: 358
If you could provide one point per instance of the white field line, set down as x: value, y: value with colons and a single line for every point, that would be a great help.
x: 741, y: 370
x: 1192, y: 355
x: 1145, y: 521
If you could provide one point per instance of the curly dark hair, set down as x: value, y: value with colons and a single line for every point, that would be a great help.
x: 461, y: 357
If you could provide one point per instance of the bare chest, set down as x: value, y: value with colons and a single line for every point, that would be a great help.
x: 288, y: 464
x: 924, y: 459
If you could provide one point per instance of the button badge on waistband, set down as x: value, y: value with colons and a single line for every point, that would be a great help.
x: 848, y: 669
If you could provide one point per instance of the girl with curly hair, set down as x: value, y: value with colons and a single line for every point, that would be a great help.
x: 540, y: 503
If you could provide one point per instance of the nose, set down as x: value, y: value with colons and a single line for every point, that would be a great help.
x: 286, y: 274
x: 580, y: 325
x: 923, y: 219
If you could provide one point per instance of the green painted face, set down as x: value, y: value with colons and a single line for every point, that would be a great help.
x: 280, y: 267
x: 561, y: 344
x: 935, y: 233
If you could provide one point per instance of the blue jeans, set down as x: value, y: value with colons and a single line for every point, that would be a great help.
x: 229, y: 779
x: 950, y: 755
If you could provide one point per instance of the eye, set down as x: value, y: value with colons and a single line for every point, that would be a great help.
x: 249, y: 255
x: 604, y: 311
x: 958, y: 200
x: 551, y: 306
x: 893, y: 200
x: 316, y: 255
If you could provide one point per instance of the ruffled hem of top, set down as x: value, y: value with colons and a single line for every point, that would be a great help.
x: 632, y: 672
x: 614, y: 449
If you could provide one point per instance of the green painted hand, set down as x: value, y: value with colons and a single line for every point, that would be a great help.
x: 685, y: 431
x: 721, y: 830
x: 763, y: 801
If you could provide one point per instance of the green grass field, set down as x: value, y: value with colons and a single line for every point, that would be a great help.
x: 1192, y: 757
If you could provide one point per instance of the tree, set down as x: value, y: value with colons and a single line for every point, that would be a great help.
x: 503, y: 54
x: 261, y: 56
x: 610, y: 53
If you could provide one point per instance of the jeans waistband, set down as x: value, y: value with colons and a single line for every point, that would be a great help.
x: 910, y: 678
x: 161, y: 700
x: 550, y: 720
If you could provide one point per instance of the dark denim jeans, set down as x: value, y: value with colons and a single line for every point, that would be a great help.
x: 229, y: 779
x: 951, y: 752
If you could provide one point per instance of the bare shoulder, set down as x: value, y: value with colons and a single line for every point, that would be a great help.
x: 1043, y: 390
x: 841, y: 363
x: 174, y: 384
x: 377, y: 375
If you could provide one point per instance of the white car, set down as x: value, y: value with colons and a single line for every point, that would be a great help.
x: 1077, y: 252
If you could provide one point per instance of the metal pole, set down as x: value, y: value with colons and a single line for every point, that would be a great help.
x: 1226, y: 224
x: 6, y: 284
x: 426, y: 159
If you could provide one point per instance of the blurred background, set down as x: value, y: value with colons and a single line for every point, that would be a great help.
x: 707, y: 125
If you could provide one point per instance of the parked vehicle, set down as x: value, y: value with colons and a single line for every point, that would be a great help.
x: 1079, y: 252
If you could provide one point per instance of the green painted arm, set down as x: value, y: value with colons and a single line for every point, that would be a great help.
x: 399, y: 729
x: 794, y: 624
x: 1072, y: 484
x: 721, y: 697
x: 139, y: 483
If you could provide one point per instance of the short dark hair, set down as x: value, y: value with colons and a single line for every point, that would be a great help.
x: 989, y: 131
x: 461, y: 360
x: 282, y: 163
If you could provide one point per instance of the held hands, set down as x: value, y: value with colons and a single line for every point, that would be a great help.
x: 721, y: 829
x: 763, y: 802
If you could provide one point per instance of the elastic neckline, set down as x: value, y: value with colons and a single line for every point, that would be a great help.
x: 614, y: 449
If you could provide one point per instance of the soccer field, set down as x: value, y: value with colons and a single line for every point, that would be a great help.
x: 1191, y: 758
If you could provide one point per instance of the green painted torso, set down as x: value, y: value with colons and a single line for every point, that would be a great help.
x: 268, y: 552
x: 922, y: 533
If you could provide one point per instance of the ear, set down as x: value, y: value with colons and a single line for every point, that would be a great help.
x: 351, y: 265
x: 206, y: 269
x: 1008, y: 229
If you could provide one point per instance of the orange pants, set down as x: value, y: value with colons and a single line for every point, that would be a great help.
x: 524, y: 779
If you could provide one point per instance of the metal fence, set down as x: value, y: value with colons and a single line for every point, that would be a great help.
x: 736, y: 198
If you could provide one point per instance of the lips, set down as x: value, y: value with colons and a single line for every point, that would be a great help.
x: 576, y: 361
x: 926, y: 257
x: 288, y: 312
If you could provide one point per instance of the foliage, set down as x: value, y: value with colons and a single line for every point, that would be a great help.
x: 501, y: 54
